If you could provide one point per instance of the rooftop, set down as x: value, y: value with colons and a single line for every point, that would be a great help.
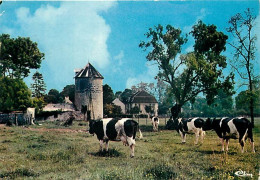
x: 88, y: 72
x: 142, y: 97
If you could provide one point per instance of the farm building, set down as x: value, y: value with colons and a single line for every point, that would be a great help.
x: 89, y: 91
x: 142, y: 99
x: 121, y: 104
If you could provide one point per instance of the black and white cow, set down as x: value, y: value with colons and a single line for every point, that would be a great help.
x: 187, y: 126
x: 155, y: 122
x: 111, y: 129
x: 235, y: 128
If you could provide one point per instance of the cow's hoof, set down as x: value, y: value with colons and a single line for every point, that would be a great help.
x: 132, y: 156
x: 183, y: 142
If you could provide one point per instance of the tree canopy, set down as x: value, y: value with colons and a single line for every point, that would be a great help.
x: 18, y: 56
x: 14, y: 95
x: 200, y: 71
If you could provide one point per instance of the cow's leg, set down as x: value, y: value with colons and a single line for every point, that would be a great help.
x: 101, y: 145
x: 227, y: 143
x: 183, y: 136
x: 197, y: 135
x: 157, y: 127
x: 222, y: 143
x: 202, y: 135
x: 132, y: 147
x: 107, y: 144
x: 253, y: 146
x: 242, y: 143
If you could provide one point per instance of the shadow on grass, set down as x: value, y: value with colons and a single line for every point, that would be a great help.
x: 146, y: 128
x: 109, y: 153
x: 210, y: 152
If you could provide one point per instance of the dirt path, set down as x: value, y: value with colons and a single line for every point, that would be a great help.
x: 62, y: 130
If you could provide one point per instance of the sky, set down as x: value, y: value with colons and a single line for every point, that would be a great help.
x: 107, y: 34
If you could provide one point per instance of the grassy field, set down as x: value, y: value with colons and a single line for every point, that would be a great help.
x: 52, y: 151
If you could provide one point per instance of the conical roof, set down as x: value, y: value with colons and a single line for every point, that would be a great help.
x: 142, y: 97
x: 88, y: 72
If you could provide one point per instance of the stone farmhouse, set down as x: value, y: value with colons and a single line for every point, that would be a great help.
x: 140, y: 99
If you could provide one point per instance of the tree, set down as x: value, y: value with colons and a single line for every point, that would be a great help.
x: 135, y: 110
x: 53, y: 96
x: 126, y: 95
x: 38, y: 87
x: 18, y: 56
x: 108, y: 95
x: 14, y: 95
x: 195, y: 72
x: 243, y: 97
x: 241, y: 28
x: 69, y: 91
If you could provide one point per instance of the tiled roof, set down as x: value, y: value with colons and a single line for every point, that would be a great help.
x: 88, y: 72
x: 142, y: 97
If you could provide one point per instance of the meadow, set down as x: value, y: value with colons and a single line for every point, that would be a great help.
x: 53, y: 151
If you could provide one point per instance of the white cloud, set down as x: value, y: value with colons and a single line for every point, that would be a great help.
x: 147, y: 76
x: 119, y: 58
x: 70, y: 35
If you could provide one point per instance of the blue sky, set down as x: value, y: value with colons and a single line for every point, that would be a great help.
x: 107, y: 34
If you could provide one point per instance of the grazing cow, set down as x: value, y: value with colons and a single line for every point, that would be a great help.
x: 187, y: 126
x: 235, y: 128
x: 115, y: 130
x: 155, y: 122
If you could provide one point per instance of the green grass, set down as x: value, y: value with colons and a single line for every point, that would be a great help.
x: 43, y: 152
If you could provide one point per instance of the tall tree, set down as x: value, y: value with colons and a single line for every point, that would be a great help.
x: 38, y: 87
x: 108, y: 95
x: 241, y: 28
x: 18, y: 56
x: 193, y: 73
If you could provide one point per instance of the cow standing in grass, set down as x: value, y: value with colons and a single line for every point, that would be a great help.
x: 155, y: 123
x: 235, y: 128
x: 110, y: 129
x: 187, y: 126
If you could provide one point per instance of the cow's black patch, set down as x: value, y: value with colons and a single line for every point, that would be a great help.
x: 98, y: 129
x: 198, y: 123
x: 130, y: 127
x: 242, y: 125
x: 110, y: 129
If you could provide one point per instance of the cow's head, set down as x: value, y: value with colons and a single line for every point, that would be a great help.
x: 92, y: 127
x: 208, y: 125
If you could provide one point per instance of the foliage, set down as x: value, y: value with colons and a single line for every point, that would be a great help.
x: 53, y: 96
x: 108, y: 95
x: 38, y: 87
x: 69, y: 91
x: 14, y: 95
x: 241, y: 28
x: 195, y: 72
x: 135, y: 110
x: 18, y: 56
x: 126, y: 95
x: 38, y: 103
x: 149, y: 110
x: 111, y: 110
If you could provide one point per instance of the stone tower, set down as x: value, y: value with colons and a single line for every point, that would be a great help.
x: 89, y: 91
